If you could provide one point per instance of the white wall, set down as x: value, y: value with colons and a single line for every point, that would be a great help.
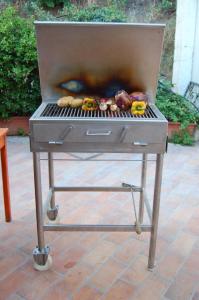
x: 195, y: 64
x: 186, y: 54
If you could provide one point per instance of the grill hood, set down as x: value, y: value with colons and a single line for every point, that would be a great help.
x: 98, y: 58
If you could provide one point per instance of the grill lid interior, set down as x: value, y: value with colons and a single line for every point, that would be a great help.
x: 97, y: 57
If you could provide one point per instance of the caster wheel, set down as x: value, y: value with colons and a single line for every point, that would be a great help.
x: 151, y: 269
x: 56, y: 221
x: 45, y: 267
x: 138, y: 229
x: 52, y: 213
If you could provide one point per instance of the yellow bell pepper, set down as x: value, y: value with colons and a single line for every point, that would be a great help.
x: 89, y: 104
x: 138, y: 107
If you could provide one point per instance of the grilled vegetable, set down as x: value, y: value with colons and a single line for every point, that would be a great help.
x: 123, y: 100
x: 89, y: 104
x: 77, y: 102
x: 138, y: 107
x: 113, y: 107
x: 138, y: 96
x: 65, y: 101
x: 103, y: 106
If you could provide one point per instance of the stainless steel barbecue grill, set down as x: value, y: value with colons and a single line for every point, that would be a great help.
x: 97, y: 58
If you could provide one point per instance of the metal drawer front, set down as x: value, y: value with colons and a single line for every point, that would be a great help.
x: 62, y: 133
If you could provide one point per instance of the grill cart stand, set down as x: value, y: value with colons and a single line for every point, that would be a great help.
x: 97, y: 60
x: 41, y: 252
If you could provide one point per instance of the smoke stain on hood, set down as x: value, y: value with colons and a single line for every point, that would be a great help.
x: 93, y: 83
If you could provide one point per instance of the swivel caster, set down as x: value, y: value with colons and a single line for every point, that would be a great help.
x: 52, y: 213
x: 42, y: 259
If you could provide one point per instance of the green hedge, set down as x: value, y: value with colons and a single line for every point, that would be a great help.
x: 94, y: 13
x: 19, y: 80
x: 176, y: 108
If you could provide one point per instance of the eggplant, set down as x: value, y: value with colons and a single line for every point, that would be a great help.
x: 122, y: 100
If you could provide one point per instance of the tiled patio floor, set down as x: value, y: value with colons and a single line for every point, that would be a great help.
x: 111, y: 266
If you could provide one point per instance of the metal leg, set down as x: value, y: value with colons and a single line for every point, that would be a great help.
x: 51, y: 177
x: 40, y: 253
x: 155, y: 215
x: 143, y: 186
x: 53, y: 210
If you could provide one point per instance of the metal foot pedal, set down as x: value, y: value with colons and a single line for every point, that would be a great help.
x: 134, y: 188
x: 52, y: 213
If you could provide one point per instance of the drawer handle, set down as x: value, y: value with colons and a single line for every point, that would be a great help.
x: 99, y: 133
x: 55, y: 142
x: 142, y: 144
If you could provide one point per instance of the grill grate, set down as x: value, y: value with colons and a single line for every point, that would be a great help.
x: 54, y: 111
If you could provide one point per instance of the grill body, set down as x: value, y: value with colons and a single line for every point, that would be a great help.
x: 55, y: 129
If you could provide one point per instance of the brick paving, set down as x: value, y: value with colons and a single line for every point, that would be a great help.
x: 110, y: 266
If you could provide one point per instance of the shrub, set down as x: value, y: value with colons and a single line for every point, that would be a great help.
x: 176, y: 108
x: 183, y: 138
x: 167, y: 6
x: 32, y: 9
x: 53, y: 3
x: 19, y: 79
x: 93, y: 13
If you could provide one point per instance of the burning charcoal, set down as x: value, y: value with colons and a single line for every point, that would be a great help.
x: 122, y: 100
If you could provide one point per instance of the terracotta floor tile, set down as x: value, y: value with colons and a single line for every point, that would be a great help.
x: 120, y: 291
x: 170, y: 264
x: 184, y: 243
x: 107, y: 274
x: 34, y: 288
x: 152, y: 288
x: 69, y: 259
x: 100, y: 253
x: 11, y: 284
x: 102, y: 265
x: 193, y: 225
x: 57, y: 292
x: 192, y: 262
x: 87, y: 293
x: 183, y: 286
x: 129, y: 251
x: 10, y: 262
x: 119, y: 237
x: 137, y: 272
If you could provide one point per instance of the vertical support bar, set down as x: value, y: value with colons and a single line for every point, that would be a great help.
x: 5, y: 179
x: 155, y: 213
x: 51, y: 178
x: 143, y: 185
x: 38, y: 199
